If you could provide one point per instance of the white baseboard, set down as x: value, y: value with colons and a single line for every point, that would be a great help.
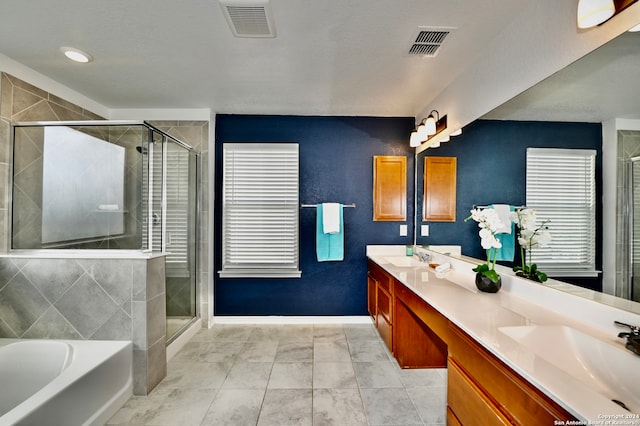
x: 183, y: 338
x: 360, y: 319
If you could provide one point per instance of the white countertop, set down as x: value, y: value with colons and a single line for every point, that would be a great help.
x: 521, y: 302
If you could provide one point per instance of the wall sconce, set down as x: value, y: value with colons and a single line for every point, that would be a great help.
x: 596, y: 12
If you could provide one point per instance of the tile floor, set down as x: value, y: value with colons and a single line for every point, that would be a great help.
x: 289, y: 375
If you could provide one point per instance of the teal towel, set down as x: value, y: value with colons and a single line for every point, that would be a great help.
x: 508, y: 241
x: 329, y: 247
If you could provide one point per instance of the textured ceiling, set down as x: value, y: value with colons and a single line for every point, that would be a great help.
x: 330, y: 57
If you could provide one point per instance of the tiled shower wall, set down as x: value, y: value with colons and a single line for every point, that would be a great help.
x: 20, y: 101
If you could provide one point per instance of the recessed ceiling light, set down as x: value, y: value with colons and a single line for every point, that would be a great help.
x: 76, y: 55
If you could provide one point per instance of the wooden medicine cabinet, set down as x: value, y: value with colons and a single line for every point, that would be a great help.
x: 439, y: 189
x: 389, y: 188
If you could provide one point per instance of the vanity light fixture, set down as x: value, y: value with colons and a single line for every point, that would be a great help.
x: 76, y: 55
x: 427, y: 129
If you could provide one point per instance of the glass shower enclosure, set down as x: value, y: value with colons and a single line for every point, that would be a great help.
x: 631, y: 218
x: 108, y: 185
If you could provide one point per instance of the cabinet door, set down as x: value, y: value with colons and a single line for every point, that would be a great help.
x: 372, y: 288
x: 439, y: 203
x: 389, y: 188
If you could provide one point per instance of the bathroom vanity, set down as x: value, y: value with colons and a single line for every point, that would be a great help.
x: 529, y: 354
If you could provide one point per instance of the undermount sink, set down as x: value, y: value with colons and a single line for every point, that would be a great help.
x: 403, y: 261
x: 611, y: 371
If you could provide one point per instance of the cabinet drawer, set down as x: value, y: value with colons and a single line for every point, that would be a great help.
x: 468, y: 403
x: 383, y: 279
x: 511, y: 394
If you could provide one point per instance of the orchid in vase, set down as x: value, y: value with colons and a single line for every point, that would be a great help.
x: 489, y: 224
x: 530, y: 236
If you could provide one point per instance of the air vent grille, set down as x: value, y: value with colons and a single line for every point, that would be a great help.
x: 249, y: 19
x: 428, y: 41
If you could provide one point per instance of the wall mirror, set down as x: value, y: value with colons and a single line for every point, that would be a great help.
x: 601, y: 87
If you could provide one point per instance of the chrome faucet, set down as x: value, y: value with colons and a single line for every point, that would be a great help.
x: 632, y: 336
x: 423, y: 256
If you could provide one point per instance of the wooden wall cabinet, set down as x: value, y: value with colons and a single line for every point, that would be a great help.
x: 439, y: 199
x: 389, y: 188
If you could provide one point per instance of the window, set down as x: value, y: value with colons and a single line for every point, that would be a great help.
x: 561, y: 188
x: 260, y: 210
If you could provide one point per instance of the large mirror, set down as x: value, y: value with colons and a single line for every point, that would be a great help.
x: 602, y: 87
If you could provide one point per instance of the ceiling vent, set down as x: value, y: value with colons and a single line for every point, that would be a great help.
x: 249, y: 18
x: 427, y: 41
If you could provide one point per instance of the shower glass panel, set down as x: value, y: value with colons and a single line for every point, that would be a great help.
x: 110, y: 185
x: 633, y: 186
x: 77, y: 187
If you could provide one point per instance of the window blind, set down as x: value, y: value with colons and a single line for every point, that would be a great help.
x: 561, y: 188
x: 176, y: 211
x: 260, y: 210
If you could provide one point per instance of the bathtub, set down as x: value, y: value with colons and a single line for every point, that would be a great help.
x: 63, y: 382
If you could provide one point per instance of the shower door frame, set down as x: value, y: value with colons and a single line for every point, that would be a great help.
x: 149, y: 178
x: 629, y: 219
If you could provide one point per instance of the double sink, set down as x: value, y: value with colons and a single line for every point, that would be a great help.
x: 600, y: 365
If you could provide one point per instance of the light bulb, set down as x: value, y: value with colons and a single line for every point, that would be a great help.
x: 414, y: 140
x: 422, y: 131
x: 594, y: 12
x: 430, y: 125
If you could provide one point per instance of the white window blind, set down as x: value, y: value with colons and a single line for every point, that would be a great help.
x: 260, y: 210
x: 561, y: 188
x: 177, y: 209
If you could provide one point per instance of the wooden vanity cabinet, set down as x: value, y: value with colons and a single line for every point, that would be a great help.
x: 418, y: 331
x: 380, y: 289
x: 483, y: 390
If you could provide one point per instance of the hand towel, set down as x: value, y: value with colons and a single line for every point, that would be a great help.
x: 503, y: 211
x: 507, y: 239
x: 331, y: 217
x: 329, y: 247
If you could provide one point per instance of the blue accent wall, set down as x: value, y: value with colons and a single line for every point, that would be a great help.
x: 336, y: 165
x: 491, y: 163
